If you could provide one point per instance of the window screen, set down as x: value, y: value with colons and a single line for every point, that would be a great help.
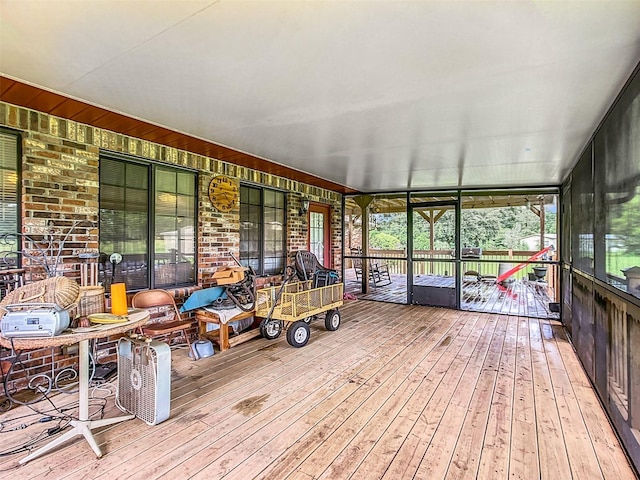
x: 582, y: 213
x: 262, y: 230
x: 8, y: 197
x: 139, y: 202
x: 617, y: 163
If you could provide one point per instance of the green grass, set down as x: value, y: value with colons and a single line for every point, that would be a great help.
x: 618, y: 262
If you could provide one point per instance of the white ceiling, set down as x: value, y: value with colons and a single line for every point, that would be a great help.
x: 373, y: 95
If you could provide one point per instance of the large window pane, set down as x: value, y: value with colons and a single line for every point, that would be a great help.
x: 174, y: 247
x: 262, y: 230
x: 507, y: 239
x: 566, y: 224
x: 514, y: 225
x: 126, y: 224
x: 382, y: 220
x: 582, y: 213
x: 386, y: 224
x: 617, y: 164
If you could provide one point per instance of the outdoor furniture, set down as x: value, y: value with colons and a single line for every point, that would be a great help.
x: 157, y: 299
x: 308, y: 267
x: 378, y: 273
x: 220, y: 336
x: 84, y: 424
x: 10, y: 280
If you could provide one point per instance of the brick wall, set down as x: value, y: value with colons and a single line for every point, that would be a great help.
x: 60, y: 187
x: 297, y: 226
x: 218, y: 234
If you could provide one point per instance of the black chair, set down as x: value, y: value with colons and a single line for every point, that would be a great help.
x: 308, y: 267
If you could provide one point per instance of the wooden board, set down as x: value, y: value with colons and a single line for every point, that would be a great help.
x: 396, y: 392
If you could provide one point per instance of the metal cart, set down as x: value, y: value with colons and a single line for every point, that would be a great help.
x: 297, y: 304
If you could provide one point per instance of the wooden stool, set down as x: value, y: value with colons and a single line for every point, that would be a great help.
x: 221, y: 336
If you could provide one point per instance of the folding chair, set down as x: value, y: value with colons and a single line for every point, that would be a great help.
x: 155, y: 301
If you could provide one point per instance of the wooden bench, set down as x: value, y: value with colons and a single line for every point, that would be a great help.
x: 220, y: 336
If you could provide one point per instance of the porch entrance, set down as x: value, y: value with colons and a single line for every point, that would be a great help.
x: 320, y: 233
x: 433, y: 268
x: 479, y: 251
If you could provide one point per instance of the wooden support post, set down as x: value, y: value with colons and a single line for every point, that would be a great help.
x: 363, y: 202
x: 542, y: 223
x: 632, y: 366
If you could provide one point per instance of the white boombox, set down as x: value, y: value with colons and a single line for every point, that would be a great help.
x: 34, y: 320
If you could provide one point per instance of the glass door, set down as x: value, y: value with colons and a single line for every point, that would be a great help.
x: 433, y: 254
x: 320, y: 233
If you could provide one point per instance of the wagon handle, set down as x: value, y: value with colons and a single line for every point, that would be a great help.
x: 288, y: 277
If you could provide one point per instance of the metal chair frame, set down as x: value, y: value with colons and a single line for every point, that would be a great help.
x: 156, y: 299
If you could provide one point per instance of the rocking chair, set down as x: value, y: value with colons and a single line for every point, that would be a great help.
x: 378, y: 273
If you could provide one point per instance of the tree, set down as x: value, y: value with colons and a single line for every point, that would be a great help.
x: 384, y: 241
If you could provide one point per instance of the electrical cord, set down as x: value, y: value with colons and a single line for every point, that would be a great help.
x: 44, y: 391
x: 59, y: 414
x: 41, y: 436
x: 62, y: 423
x: 116, y: 384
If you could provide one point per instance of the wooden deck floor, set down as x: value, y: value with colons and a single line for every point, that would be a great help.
x: 522, y: 297
x: 397, y: 392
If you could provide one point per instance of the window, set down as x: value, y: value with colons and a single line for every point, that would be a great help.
x: 582, y: 215
x: 147, y: 215
x: 9, y: 220
x: 262, y: 230
x: 617, y: 170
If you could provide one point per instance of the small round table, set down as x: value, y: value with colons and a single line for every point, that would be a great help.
x: 81, y: 336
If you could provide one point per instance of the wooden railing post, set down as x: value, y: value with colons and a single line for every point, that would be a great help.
x: 633, y: 366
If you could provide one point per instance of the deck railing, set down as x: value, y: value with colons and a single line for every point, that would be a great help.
x: 618, y: 371
x: 605, y: 331
x: 442, y: 264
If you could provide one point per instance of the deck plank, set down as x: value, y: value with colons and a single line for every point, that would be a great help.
x: 494, y: 456
x: 611, y: 458
x: 396, y: 392
x: 289, y: 408
x: 355, y: 436
x: 445, y: 379
x: 438, y: 456
x: 218, y: 403
x: 302, y: 438
x: 376, y: 464
x: 554, y: 461
x: 466, y: 454
x: 523, y: 461
x: 580, y: 450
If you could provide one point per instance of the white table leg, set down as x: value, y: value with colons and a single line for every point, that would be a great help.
x: 83, y: 425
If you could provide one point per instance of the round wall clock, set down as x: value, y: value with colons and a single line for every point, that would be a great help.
x: 223, y: 193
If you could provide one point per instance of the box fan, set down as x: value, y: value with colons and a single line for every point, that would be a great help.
x: 144, y: 378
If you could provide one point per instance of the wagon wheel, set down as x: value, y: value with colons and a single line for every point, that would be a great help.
x: 298, y: 334
x: 270, y: 329
x: 309, y: 319
x: 332, y: 320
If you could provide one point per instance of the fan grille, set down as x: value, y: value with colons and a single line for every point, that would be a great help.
x: 143, y: 378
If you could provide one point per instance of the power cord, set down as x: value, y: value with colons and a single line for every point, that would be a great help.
x: 62, y: 423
